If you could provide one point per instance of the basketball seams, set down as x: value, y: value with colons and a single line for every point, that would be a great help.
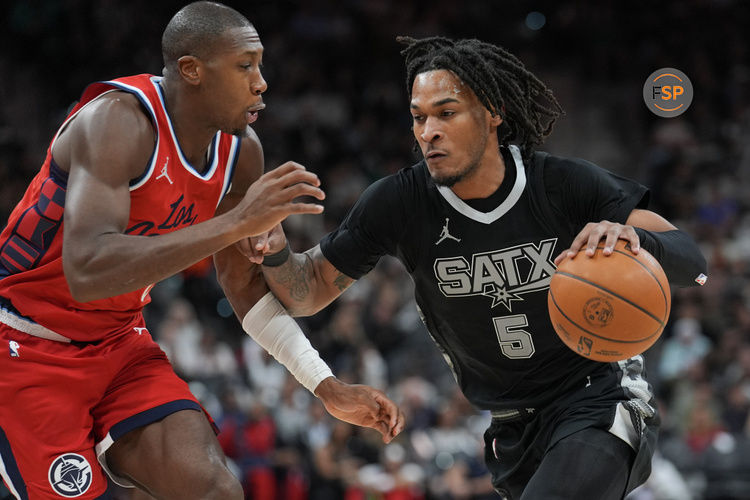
x: 614, y: 294
x: 597, y: 288
x: 658, y: 281
x: 608, y: 339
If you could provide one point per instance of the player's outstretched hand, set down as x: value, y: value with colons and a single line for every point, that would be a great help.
x: 361, y: 405
x: 593, y: 232
x: 270, y: 199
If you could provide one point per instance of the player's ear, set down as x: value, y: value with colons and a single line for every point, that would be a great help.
x: 494, y: 116
x: 189, y: 69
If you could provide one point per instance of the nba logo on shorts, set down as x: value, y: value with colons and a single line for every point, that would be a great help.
x: 70, y: 475
x: 13, y: 349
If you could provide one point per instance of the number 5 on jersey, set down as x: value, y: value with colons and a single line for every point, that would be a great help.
x: 515, y: 343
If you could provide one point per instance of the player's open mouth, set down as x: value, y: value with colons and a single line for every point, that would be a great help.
x: 252, y: 113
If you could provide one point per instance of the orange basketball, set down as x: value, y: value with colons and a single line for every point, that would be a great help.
x: 609, y: 308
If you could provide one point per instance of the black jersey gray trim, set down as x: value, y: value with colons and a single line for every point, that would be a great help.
x: 489, y: 217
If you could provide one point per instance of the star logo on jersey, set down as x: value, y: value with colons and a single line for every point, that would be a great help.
x: 70, y: 475
x: 501, y: 275
x: 499, y: 295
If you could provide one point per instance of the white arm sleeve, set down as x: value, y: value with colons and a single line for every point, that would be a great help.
x: 268, y: 323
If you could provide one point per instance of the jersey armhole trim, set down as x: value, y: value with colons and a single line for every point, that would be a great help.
x: 234, y: 155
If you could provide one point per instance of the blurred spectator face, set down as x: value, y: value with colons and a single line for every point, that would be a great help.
x: 451, y: 126
x: 345, y: 324
x: 687, y: 330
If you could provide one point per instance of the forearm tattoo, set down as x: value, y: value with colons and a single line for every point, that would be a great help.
x: 295, y: 275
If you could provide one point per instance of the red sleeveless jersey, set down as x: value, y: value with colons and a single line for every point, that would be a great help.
x: 169, y: 195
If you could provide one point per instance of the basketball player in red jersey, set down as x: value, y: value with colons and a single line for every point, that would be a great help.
x: 147, y: 176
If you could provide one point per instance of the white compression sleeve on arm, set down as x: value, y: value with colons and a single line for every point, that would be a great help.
x: 268, y: 323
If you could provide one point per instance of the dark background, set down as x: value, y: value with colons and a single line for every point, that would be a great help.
x: 337, y: 103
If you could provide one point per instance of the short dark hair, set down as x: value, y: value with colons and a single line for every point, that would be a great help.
x: 195, y: 29
x: 499, y: 79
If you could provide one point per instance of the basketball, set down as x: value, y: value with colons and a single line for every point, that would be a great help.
x: 609, y: 308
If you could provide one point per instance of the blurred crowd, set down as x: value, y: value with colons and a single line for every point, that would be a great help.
x: 337, y: 104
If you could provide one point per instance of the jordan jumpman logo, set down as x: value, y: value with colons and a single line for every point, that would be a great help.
x: 164, y: 172
x: 445, y: 234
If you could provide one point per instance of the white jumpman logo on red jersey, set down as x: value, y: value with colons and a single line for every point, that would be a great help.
x: 164, y: 172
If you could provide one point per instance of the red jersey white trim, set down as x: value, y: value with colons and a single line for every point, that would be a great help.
x: 170, y: 194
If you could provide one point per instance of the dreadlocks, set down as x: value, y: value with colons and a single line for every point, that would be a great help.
x: 498, y: 78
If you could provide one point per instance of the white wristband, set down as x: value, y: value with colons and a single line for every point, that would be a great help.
x: 268, y: 323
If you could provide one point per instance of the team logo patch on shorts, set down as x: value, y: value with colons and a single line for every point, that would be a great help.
x: 70, y: 475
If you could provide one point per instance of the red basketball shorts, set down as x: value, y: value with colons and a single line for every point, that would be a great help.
x: 62, y: 405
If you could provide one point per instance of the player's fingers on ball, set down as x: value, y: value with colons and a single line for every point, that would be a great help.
x: 595, y: 236
x: 632, y: 237
x: 578, y: 242
x: 580, y: 239
x: 609, y: 244
x: 561, y: 257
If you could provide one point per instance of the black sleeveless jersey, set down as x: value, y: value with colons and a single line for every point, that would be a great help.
x: 482, y: 275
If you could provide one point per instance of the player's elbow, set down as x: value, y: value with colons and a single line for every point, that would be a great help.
x: 82, y: 287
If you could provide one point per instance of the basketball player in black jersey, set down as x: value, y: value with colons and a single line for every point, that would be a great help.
x: 478, y: 224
